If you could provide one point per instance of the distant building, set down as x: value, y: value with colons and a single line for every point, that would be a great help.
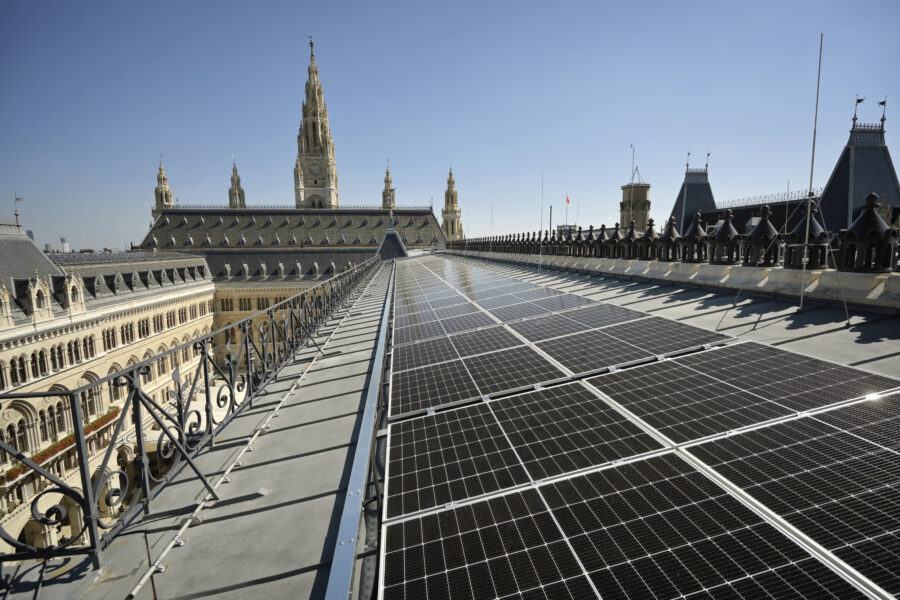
x: 451, y: 214
x: 635, y: 205
x: 64, y: 245
x: 30, y: 234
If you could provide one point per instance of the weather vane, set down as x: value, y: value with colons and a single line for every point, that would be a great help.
x: 16, y: 200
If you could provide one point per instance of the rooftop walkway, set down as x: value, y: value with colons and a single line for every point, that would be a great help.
x: 272, y: 533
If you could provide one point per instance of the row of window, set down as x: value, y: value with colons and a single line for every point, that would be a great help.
x: 42, y: 362
x: 246, y: 304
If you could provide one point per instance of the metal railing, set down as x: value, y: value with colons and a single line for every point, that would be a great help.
x: 295, y: 207
x: 770, y: 199
x: 96, y: 497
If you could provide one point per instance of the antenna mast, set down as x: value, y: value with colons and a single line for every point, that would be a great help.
x: 812, y: 165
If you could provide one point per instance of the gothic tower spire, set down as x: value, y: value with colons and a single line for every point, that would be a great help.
x: 236, y: 192
x: 315, y: 176
x: 388, y: 199
x: 164, y: 197
x: 451, y: 214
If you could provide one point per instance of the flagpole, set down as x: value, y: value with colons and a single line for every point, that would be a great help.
x: 812, y: 165
x: 540, y: 247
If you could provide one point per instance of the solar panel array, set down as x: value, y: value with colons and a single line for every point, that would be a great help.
x: 542, y: 445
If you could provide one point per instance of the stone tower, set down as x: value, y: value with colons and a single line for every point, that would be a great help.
x: 388, y: 199
x: 236, y: 192
x: 451, y: 214
x: 164, y: 197
x: 635, y: 204
x: 315, y: 176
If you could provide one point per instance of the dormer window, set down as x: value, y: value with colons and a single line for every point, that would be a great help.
x: 39, y: 299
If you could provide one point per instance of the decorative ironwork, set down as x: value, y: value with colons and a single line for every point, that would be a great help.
x: 221, y: 379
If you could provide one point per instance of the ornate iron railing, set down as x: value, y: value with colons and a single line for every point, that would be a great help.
x: 96, y: 498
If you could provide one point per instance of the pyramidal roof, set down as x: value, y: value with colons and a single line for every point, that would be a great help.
x: 695, y: 195
x: 864, y: 167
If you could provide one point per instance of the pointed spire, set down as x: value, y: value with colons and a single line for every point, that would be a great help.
x: 236, y: 192
x: 163, y: 193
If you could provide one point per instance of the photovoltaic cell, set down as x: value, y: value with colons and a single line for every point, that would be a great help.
x: 454, y: 300
x: 414, y: 333
x: 550, y: 326
x: 448, y: 456
x: 505, y: 547
x: 566, y: 428
x: 428, y: 387
x: 498, y: 301
x: 457, y: 310
x: 793, y: 380
x: 466, y: 322
x: 562, y: 302
x: 658, y: 528
x: 415, y: 318
x: 484, y: 340
x: 510, y: 369
x: 517, y: 311
x: 684, y: 404
x: 411, y: 356
x: 662, y: 336
x: 839, y: 489
x: 592, y: 350
x: 601, y: 315
x: 877, y: 420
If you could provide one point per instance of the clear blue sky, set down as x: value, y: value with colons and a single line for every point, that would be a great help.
x: 93, y: 92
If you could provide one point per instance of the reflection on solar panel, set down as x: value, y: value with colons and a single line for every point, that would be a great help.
x: 457, y: 310
x: 840, y: 490
x: 510, y: 369
x: 421, y: 354
x: 503, y: 547
x: 517, y: 311
x: 657, y: 528
x: 414, y: 333
x: 684, y: 404
x: 662, y: 336
x: 877, y: 420
x: 601, y: 315
x: 567, y: 428
x: 561, y: 302
x: 484, y: 340
x: 422, y: 316
x: 447, y: 457
x: 802, y: 383
x: 435, y: 385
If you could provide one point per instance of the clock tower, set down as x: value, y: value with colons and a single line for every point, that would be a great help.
x: 315, y: 176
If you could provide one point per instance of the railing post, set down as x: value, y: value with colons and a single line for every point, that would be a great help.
x: 137, y: 417
x: 204, y: 356
x: 90, y: 508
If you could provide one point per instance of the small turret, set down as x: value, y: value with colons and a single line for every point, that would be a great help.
x: 388, y: 194
x: 164, y: 196
x: 236, y: 192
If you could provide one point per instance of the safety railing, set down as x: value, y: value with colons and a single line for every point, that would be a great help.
x: 77, y: 494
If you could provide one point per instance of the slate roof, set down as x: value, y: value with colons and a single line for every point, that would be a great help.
x: 699, y: 197
x: 287, y: 228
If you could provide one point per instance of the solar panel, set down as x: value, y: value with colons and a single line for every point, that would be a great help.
x: 411, y: 356
x: 796, y: 381
x: 457, y: 310
x: 511, y: 369
x: 446, y: 457
x: 550, y: 326
x: 566, y: 428
x: 431, y: 386
x: 837, y: 488
x: 538, y: 293
x: 466, y: 322
x: 498, y: 301
x: 562, y: 302
x: 684, y: 404
x: 484, y: 340
x: 422, y: 316
x: 876, y: 420
x: 454, y: 300
x: 414, y: 333
x: 601, y: 315
x: 657, y: 528
x: 662, y: 336
x: 592, y: 350
x: 506, y: 547
x: 517, y: 311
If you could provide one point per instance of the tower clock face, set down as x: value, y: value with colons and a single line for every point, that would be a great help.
x: 315, y: 169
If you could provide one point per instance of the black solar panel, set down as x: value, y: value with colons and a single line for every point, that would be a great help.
x: 658, y: 528
x: 662, y: 336
x: 484, y: 340
x: 505, y: 547
x: 601, y: 315
x: 682, y: 403
x: 550, y: 326
x: 466, y: 322
x: 457, y: 310
x: 518, y: 311
x: 511, y: 369
x: 454, y: 300
x: 411, y: 356
x: 428, y: 387
x: 561, y: 302
x: 498, y: 301
x: 566, y: 428
x: 839, y: 489
x: 423, y: 316
x: 876, y: 420
x: 414, y: 333
x: 793, y: 380
x: 592, y: 350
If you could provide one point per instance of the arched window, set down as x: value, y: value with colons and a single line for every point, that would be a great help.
x: 42, y: 424
x: 42, y: 362
x: 21, y: 437
x: 35, y: 373
x: 39, y: 299
x: 74, y: 293
x: 71, y: 353
x: 60, y: 417
x: 53, y: 362
x: 51, y: 421
x: 2, y: 377
x: 10, y: 437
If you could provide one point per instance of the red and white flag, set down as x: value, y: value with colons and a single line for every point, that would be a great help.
x: 567, y: 199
